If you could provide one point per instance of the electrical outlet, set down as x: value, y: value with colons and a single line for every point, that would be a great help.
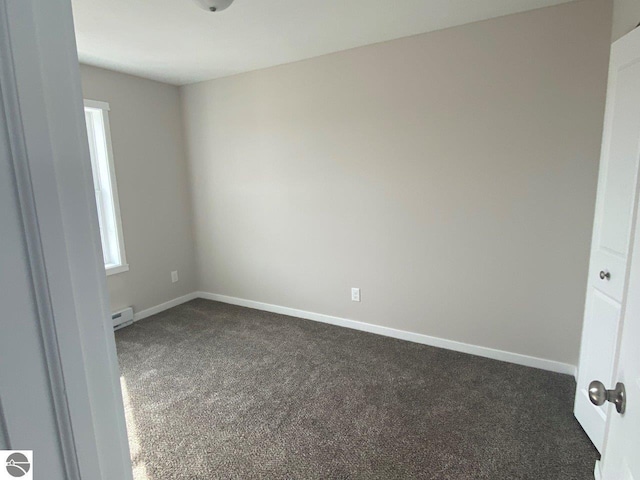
x: 174, y: 276
x: 355, y: 294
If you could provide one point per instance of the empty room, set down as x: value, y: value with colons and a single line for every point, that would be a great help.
x: 320, y: 240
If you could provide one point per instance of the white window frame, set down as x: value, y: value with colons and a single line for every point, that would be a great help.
x: 106, y: 189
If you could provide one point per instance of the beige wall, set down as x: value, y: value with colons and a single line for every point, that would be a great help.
x: 451, y: 176
x: 626, y: 16
x: 151, y: 171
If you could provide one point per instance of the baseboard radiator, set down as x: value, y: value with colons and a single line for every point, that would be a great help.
x: 122, y: 318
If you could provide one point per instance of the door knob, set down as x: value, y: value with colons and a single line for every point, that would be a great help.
x: 605, y: 274
x: 598, y: 394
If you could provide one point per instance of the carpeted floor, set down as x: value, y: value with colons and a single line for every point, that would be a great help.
x: 215, y: 391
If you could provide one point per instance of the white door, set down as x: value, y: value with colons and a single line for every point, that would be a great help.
x: 610, y: 249
x: 621, y: 457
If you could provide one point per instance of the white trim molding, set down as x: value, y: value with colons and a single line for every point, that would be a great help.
x: 164, y: 306
x: 517, y: 358
x: 117, y: 269
x: 597, y: 475
x: 96, y: 104
x: 502, y: 355
x: 71, y: 358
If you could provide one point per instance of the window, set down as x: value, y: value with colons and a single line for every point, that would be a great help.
x: 104, y: 182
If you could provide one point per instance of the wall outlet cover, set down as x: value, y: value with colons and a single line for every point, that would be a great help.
x: 355, y: 294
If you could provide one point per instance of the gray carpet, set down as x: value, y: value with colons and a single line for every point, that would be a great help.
x: 218, y: 391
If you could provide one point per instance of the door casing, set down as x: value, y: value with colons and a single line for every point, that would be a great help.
x: 41, y: 103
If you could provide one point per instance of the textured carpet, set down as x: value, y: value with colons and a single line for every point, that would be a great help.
x: 218, y: 391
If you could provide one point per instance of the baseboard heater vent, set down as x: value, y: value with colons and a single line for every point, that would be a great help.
x: 122, y: 318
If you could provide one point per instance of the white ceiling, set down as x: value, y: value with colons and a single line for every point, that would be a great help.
x: 177, y: 42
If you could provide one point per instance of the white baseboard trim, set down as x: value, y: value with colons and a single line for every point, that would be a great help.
x: 487, y: 352
x: 164, y: 306
x: 517, y: 358
x: 597, y: 475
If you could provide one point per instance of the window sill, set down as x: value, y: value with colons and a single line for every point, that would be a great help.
x: 117, y: 269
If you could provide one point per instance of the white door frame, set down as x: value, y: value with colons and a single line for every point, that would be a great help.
x: 41, y: 102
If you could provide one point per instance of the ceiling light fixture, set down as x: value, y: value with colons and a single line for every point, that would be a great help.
x: 214, y: 5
